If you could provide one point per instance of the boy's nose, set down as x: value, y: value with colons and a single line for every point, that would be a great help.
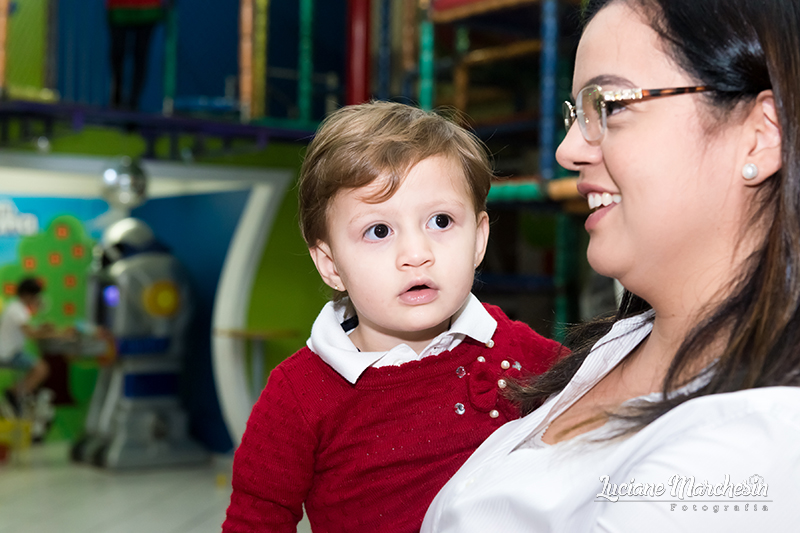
x: 415, y: 251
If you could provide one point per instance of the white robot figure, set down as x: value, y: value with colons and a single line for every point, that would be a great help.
x: 139, y: 300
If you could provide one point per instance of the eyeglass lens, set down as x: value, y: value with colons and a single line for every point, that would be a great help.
x: 590, y: 113
x: 567, y: 110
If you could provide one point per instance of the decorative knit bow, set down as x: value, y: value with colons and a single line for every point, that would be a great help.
x: 484, y: 390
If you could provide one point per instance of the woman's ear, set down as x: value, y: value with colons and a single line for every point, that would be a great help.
x: 764, y: 140
x: 326, y: 266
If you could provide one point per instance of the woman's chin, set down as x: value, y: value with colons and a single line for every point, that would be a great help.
x: 603, y: 262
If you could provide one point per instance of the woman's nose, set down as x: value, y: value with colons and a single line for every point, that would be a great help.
x: 575, y: 152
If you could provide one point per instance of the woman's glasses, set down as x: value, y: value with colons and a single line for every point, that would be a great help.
x: 591, y: 106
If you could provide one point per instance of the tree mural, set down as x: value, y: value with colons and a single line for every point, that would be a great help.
x: 59, y: 258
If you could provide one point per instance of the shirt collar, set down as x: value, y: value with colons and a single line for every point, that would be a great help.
x: 624, y: 337
x: 330, y: 342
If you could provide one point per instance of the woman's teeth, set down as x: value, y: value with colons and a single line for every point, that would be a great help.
x: 605, y: 199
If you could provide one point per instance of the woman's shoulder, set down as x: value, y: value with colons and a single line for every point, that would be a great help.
x: 750, y: 415
x: 764, y: 403
x: 751, y: 428
x: 712, y: 459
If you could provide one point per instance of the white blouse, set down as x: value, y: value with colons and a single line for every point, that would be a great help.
x: 726, y: 462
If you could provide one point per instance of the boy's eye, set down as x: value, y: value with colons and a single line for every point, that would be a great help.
x: 439, y: 222
x: 378, y: 232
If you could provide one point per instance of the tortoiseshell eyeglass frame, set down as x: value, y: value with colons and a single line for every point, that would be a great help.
x: 572, y: 112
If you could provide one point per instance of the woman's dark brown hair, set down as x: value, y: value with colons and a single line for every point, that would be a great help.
x: 740, y: 48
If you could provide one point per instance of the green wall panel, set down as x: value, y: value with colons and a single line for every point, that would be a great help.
x: 27, y: 37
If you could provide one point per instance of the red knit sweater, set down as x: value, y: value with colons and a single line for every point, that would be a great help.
x: 370, y: 457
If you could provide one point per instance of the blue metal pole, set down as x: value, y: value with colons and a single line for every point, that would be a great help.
x: 426, y: 65
x: 565, y: 241
x: 426, y: 59
x: 305, y: 60
x: 385, y: 51
x: 548, y: 105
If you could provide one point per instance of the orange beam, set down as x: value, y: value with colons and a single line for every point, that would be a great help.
x: 245, y: 59
x: 498, y: 53
x: 3, y: 39
x: 473, y: 9
x: 442, y: 16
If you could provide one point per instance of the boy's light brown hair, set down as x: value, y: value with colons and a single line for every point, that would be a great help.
x: 357, y: 144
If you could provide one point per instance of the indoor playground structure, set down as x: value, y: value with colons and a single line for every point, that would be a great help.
x: 227, y: 84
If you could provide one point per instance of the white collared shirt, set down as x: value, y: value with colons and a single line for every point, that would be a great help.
x: 508, y: 485
x: 333, y: 345
x: 12, y: 339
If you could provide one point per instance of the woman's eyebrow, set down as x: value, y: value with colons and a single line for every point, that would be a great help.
x: 608, y: 79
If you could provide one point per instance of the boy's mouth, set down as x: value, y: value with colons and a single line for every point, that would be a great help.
x: 419, y: 284
x: 419, y: 292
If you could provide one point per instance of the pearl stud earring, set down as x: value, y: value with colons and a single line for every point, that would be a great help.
x: 750, y: 171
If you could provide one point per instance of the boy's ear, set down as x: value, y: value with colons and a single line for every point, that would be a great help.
x: 764, y: 144
x: 326, y: 266
x: 481, y: 237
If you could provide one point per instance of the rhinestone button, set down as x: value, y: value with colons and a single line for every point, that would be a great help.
x: 517, y: 365
x: 505, y: 365
x: 494, y: 413
x: 460, y: 410
x: 501, y: 383
x: 481, y: 359
x: 460, y: 372
x: 490, y: 344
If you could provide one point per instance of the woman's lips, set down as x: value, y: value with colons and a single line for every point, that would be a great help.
x: 594, y: 218
x: 602, y: 203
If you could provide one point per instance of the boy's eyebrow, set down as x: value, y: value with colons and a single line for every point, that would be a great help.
x: 430, y: 205
x: 356, y: 218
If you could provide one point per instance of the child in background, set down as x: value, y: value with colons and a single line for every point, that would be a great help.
x: 403, y: 374
x: 15, y: 327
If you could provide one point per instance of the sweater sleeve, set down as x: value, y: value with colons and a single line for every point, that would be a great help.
x: 273, y: 466
x: 538, y: 352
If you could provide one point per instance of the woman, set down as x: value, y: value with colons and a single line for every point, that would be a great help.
x: 682, y: 413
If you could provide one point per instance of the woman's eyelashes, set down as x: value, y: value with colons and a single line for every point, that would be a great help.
x: 378, y: 232
x: 612, y: 108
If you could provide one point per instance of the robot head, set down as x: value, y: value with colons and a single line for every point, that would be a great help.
x: 125, y: 238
